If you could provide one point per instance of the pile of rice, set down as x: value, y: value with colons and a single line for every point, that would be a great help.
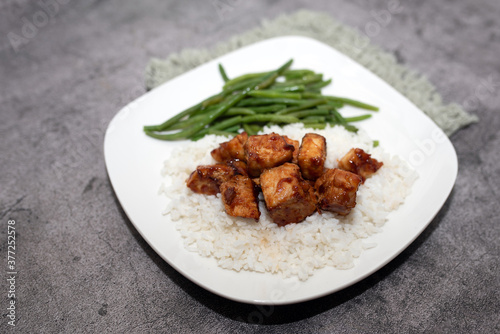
x: 298, y: 250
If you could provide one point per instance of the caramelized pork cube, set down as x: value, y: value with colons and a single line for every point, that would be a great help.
x: 336, y: 190
x: 207, y: 179
x: 239, y: 196
x: 232, y: 149
x: 239, y: 167
x: 296, y: 146
x: 266, y: 151
x: 289, y: 199
x: 359, y: 162
x: 312, y: 156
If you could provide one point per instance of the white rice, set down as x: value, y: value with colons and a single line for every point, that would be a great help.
x: 295, y: 249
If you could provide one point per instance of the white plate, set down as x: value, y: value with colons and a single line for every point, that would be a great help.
x: 134, y: 162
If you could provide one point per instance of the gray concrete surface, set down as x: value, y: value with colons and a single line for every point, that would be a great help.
x: 82, y: 267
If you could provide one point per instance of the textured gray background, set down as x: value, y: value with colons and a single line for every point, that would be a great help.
x: 82, y: 265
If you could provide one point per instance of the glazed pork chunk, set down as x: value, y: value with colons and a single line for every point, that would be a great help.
x: 239, y: 166
x: 336, y: 191
x: 359, y: 162
x: 239, y: 196
x: 266, y: 151
x: 289, y: 199
x: 312, y: 156
x: 230, y: 150
x: 206, y: 179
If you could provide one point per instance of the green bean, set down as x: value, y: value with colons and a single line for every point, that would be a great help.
x: 294, y: 88
x: 185, y: 123
x: 214, y: 100
x: 353, y: 103
x: 186, y: 133
x: 203, y: 110
x: 244, y: 77
x: 230, y: 122
x: 343, y: 100
x: 306, y: 105
x: 338, y: 117
x: 308, y: 79
x: 254, y: 127
x: 258, y: 101
x: 176, y: 118
x: 342, y: 121
x: 239, y: 111
x: 233, y: 128
x: 223, y: 125
x: 310, y: 112
x: 269, y: 108
x: 223, y: 73
x: 269, y: 118
x: 249, y: 129
x: 311, y: 95
x: 299, y: 73
x: 318, y: 85
x: 313, y: 120
x: 357, y: 118
x: 331, y: 105
x: 350, y: 127
x: 267, y: 82
x: 335, y: 104
x: 318, y: 91
x: 240, y: 85
x: 251, y: 79
x: 275, y: 94
x: 270, y: 78
x: 228, y: 133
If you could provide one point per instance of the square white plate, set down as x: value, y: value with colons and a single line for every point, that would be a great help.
x: 134, y: 162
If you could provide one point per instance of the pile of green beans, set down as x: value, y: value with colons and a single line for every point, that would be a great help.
x: 251, y: 101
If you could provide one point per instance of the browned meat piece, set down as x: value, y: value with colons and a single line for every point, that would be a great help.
x: 296, y: 145
x: 207, y: 179
x: 239, y: 166
x: 359, y: 162
x: 266, y: 151
x: 239, y: 196
x: 336, y: 190
x: 288, y: 197
x: 232, y: 149
x: 312, y: 156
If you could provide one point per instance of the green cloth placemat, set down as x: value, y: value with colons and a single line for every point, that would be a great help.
x: 450, y: 117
